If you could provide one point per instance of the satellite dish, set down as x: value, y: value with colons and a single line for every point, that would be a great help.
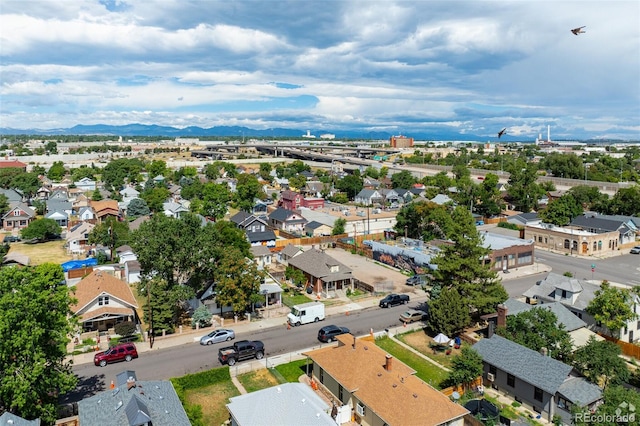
x: 455, y: 396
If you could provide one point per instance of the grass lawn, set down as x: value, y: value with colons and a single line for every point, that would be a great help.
x: 293, y: 370
x: 422, y: 342
x: 49, y: 252
x: 257, y: 380
x: 213, y: 400
x: 424, y: 370
x: 290, y: 299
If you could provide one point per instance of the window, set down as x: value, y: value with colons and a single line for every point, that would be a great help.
x: 564, y: 294
x: 340, y: 393
x: 574, y: 245
x: 524, y: 258
x: 564, y: 404
x: 599, y: 245
x: 567, y: 244
x: 511, y: 380
x: 321, y: 375
x: 545, y: 240
x: 626, y: 330
x: 540, y: 238
x: 493, y: 370
x: 103, y: 300
x: 537, y: 394
x: 16, y: 212
x: 595, y: 246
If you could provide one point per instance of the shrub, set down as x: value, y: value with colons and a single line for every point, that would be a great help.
x: 201, y: 316
x: 126, y: 328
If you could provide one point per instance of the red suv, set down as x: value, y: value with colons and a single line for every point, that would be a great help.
x: 122, y: 351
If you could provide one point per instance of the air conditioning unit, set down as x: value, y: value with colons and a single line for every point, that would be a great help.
x: 360, y: 409
x: 490, y: 377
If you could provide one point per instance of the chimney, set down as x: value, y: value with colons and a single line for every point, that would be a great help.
x: 388, y: 364
x: 131, y: 383
x: 502, y: 315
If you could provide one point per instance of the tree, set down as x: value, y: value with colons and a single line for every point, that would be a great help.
x: 538, y: 328
x: 237, y: 280
x: 588, y: 196
x: 265, y: 171
x: 351, y: 184
x: 28, y: 183
x: 51, y: 147
x: 82, y: 172
x: 561, y: 211
x: 465, y: 367
x: 116, y: 172
x: 461, y: 266
x: 155, y: 197
x: 619, y: 408
x: 600, y: 362
x: 297, y: 181
x: 523, y: 190
x: 160, y: 310
x: 34, y: 370
x: 96, y: 195
x: 626, y: 201
x: 424, y: 219
x: 564, y: 165
x: 157, y: 168
x: 489, y: 202
x: 56, y: 171
x: 295, y: 275
x: 201, y: 316
x: 338, y: 226
x: 4, y: 204
x: 41, y: 229
x: 403, y: 179
x: 213, y: 201
x: 613, y: 307
x: 137, y: 207
x: 248, y: 189
x: 448, y: 313
x: 111, y: 233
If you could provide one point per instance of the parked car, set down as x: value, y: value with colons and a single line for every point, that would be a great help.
x: 216, y: 336
x: 412, y: 315
x: 244, y: 349
x: 393, y: 300
x: 635, y: 250
x: 11, y: 239
x: 329, y: 333
x: 417, y: 280
x: 119, y: 352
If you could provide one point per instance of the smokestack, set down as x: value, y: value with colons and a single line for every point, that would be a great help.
x: 388, y: 363
x: 502, y: 315
x: 549, y: 133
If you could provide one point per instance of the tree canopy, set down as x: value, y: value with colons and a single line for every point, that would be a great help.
x: 561, y: 211
x: 34, y: 302
x: 42, y: 229
x: 613, y: 307
x: 600, y: 362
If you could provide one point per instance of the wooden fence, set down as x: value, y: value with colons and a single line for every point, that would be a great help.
x: 461, y: 389
x: 627, y: 348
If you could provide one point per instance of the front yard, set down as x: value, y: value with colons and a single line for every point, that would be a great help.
x: 49, y: 252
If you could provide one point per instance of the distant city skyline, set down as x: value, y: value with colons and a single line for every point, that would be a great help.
x: 460, y: 70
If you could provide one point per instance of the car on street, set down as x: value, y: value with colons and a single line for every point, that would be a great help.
x: 420, y: 279
x: 11, y: 239
x: 216, y: 336
x: 635, y: 250
x: 412, y: 315
x: 328, y: 333
x: 116, y: 353
x: 394, y: 300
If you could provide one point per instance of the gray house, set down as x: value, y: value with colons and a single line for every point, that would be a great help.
x: 325, y: 274
x: 538, y: 382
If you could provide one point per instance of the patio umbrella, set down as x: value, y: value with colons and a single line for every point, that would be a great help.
x: 441, y: 339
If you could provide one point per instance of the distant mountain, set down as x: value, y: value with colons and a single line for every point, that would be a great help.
x: 130, y: 130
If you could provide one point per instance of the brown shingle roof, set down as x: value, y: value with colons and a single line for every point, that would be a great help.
x: 101, y: 205
x: 97, y: 283
x: 397, y: 396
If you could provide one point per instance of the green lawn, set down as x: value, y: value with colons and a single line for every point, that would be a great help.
x: 293, y: 370
x: 425, y: 370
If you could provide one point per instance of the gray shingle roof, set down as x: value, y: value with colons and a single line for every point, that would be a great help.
x: 540, y: 371
x: 159, y: 398
x: 580, y: 391
x: 286, y: 404
x: 290, y: 250
x: 258, y: 251
x: 319, y: 265
x: 255, y: 237
x: 547, y: 288
x: 281, y: 214
x: 7, y: 419
x: 564, y: 315
x: 314, y: 225
x: 598, y: 223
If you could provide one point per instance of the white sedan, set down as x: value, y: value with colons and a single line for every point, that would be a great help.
x: 219, y: 335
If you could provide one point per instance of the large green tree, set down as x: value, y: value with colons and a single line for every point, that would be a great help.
x: 523, y: 189
x: 563, y: 165
x: 424, y: 219
x: 35, y: 326
x: 237, y: 281
x: 620, y: 407
x: 465, y: 367
x: 248, y: 188
x: 56, y: 171
x: 448, y: 313
x: 461, y: 266
x: 111, y: 233
x: 600, y: 362
x: 613, y: 307
x: 351, y: 184
x: 538, y: 328
x: 213, y: 200
x: 561, y: 211
x: 42, y: 229
x: 403, y: 179
x: 155, y: 197
x: 137, y: 207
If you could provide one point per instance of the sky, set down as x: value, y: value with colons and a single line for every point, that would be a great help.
x: 454, y: 67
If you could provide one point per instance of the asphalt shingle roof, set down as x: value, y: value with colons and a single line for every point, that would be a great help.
x: 580, y: 391
x: 565, y: 316
x: 319, y: 264
x: 540, y: 371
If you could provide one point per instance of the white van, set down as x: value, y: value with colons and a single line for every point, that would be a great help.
x: 306, y: 313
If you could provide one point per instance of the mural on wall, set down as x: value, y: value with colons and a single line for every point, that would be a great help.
x: 414, y: 260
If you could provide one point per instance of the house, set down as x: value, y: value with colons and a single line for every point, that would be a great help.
x: 78, y: 237
x: 322, y: 272
x: 19, y: 216
x: 287, y: 253
x: 9, y: 419
x: 79, y: 201
x: 129, y: 193
x: 600, y: 225
x: 125, y: 254
x: 86, y: 184
x: 86, y: 213
x: 576, y: 295
x: 524, y: 219
x: 59, y: 194
x: 508, y: 252
x: 43, y: 193
x: 404, y: 195
x: 538, y: 382
x: 390, y: 196
x: 259, y: 207
x: 60, y: 217
x: 134, y: 402
x: 571, y: 240
x: 132, y: 271
x: 317, y: 229
x: 370, y: 183
x: 135, y: 224
x: 290, y: 200
x: 271, y: 291
x: 368, y: 197
x: 53, y: 205
x: 287, y: 220
x: 103, y: 301
x: 286, y: 404
x: 374, y: 388
x: 13, y: 164
x: 173, y: 209
x: 105, y: 209
x: 261, y: 255
x: 441, y: 199
x: 262, y: 238
x: 249, y: 222
x: 314, y: 188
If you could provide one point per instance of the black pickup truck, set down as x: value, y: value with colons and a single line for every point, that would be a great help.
x: 394, y: 300
x: 241, y: 350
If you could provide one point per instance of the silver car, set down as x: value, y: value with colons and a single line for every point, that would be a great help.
x: 219, y: 335
x: 635, y: 250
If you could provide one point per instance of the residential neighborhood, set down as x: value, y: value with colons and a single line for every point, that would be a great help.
x: 143, y: 257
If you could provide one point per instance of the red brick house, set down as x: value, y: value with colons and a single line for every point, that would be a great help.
x: 292, y: 200
x: 19, y: 216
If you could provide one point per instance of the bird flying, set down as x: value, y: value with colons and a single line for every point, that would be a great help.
x: 502, y: 132
x: 578, y: 30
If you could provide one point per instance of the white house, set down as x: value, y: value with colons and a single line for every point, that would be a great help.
x: 86, y: 184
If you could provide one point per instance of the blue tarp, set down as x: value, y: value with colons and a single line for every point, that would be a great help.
x: 77, y: 264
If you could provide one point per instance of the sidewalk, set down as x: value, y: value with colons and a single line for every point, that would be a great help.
x: 188, y: 335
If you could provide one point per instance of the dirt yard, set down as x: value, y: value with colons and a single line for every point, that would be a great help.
x: 49, y: 252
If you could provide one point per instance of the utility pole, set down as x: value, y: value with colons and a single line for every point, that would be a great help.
x: 151, y: 336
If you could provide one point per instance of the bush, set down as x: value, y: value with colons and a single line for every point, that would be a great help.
x: 201, y: 316
x: 508, y: 225
x: 126, y: 328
